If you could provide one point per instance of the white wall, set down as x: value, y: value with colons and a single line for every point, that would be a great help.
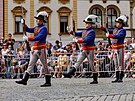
x: 134, y: 18
x: 84, y: 6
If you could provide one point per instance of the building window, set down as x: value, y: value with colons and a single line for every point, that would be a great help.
x: 18, y: 25
x: 98, y: 12
x: 63, y: 24
x: 111, y: 17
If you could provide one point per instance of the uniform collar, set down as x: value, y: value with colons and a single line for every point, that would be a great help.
x: 89, y: 28
x: 40, y: 25
x: 119, y: 28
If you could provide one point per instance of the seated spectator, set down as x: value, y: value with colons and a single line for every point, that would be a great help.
x: 56, y: 46
x: 73, y: 58
x: 40, y: 68
x: 75, y: 47
x: 62, y: 64
x: 68, y: 48
x: 20, y: 65
x: 19, y: 49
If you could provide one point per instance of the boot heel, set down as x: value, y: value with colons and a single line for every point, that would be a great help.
x: 24, y: 80
x: 48, y: 81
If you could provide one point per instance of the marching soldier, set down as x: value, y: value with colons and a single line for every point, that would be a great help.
x: 40, y: 34
x: 88, y: 47
x: 117, y: 37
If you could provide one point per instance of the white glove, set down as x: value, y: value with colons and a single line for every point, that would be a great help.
x: 75, y: 40
x: 98, y: 24
x: 25, y: 38
x: 107, y: 34
x: 69, y: 29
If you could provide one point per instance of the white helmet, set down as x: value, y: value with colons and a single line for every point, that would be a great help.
x: 42, y: 16
x: 89, y: 18
x: 122, y: 19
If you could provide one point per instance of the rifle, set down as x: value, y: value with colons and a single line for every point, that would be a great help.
x: 24, y: 32
x: 72, y: 28
x: 109, y: 40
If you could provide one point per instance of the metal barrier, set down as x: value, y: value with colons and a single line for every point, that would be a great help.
x: 61, y: 62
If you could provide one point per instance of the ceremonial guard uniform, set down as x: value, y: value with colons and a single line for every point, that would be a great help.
x: 117, y: 38
x: 88, y: 47
x: 40, y: 34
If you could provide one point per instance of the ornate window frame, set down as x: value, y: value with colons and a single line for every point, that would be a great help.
x: 18, y: 11
x: 18, y: 1
x: 44, y: 1
x: 63, y: 11
x: 64, y: 1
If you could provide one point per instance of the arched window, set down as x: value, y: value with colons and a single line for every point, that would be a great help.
x: 111, y: 17
x: 18, y: 13
x: 18, y: 24
x: 64, y: 14
x: 98, y: 12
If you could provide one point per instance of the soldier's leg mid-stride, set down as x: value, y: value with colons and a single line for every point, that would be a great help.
x: 39, y: 49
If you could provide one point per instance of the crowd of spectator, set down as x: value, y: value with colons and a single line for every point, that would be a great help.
x: 61, y: 58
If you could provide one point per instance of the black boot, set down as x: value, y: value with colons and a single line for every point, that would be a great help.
x: 24, y: 80
x: 121, y: 77
x: 70, y: 73
x: 48, y: 81
x: 95, y: 77
x: 117, y: 77
x: 15, y: 76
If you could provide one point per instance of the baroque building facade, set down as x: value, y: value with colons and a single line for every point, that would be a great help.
x: 61, y: 13
x: 1, y: 18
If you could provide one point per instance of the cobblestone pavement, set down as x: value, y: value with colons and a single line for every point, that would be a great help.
x: 74, y: 89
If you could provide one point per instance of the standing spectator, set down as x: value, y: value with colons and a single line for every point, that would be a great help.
x: 9, y: 60
x: 49, y: 50
x: 10, y: 41
x: 56, y: 46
